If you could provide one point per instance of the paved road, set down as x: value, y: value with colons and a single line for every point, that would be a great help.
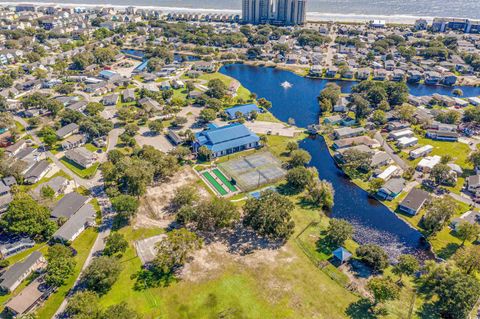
x: 400, y: 162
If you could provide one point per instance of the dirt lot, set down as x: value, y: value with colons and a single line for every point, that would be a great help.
x: 154, y: 206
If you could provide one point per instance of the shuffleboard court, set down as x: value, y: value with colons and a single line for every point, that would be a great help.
x: 224, y: 180
x: 214, y: 183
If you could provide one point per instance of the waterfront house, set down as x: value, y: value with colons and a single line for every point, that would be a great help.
x: 18, y: 272
x: 380, y: 74
x: 68, y: 205
x: 76, y: 224
x: 345, y: 132
x: 81, y: 156
x: 342, y: 255
x: 226, y: 139
x: 242, y: 110
x: 388, y: 173
x: 380, y: 159
x: 421, y: 151
x: 67, y: 130
x: 398, y: 75
x: 391, y: 188
x: 414, y: 76
x: 334, y: 119
x: 432, y: 78
x: 316, y: 70
x: 449, y: 79
x: 339, y: 154
x: 341, y: 105
x: 414, y: 201
x: 204, y: 66
x: 358, y: 140
x: 331, y: 71
x: 363, y: 74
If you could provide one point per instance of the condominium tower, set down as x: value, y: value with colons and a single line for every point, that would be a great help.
x: 277, y: 12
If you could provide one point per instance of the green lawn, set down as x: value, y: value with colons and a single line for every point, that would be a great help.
x: 224, y: 180
x: 82, y: 172
x: 214, y: 183
x: 82, y: 245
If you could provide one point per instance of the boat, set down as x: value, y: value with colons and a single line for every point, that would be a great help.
x: 286, y: 85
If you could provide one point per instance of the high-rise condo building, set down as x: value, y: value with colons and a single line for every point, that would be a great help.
x: 278, y: 12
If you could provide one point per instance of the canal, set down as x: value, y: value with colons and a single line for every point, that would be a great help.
x: 373, y: 222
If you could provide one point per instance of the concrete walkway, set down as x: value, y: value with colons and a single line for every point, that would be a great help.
x: 400, y: 162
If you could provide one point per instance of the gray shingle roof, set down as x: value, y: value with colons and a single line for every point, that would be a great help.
x: 12, y: 274
x: 75, y: 223
x: 69, y: 205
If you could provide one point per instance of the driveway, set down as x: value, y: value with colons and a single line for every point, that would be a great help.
x: 400, y: 162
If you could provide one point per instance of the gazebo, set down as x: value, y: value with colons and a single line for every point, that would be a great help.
x: 342, y: 255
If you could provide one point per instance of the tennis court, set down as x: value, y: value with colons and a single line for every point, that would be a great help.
x: 224, y: 180
x: 253, y: 171
x: 214, y: 183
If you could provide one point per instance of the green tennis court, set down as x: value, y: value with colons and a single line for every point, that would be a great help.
x: 224, y: 180
x: 214, y: 183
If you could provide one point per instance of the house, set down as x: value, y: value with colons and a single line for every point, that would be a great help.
x: 380, y: 159
x: 58, y: 184
x: 345, y: 132
x: 442, y: 135
x: 398, y: 75
x: 242, y: 110
x: 226, y: 139
x: 339, y: 155
x: 37, y: 172
x: 174, y: 137
x: 108, y: 75
x: 15, y: 274
x: 149, y: 104
x: 14, y: 149
x: 27, y: 299
x: 432, y: 78
x: 81, y: 156
x: 380, y: 74
x: 68, y: 205
x: 178, y: 84
x: 426, y: 164
x: 316, y: 70
x: 341, y: 105
x: 414, y: 76
x: 15, y: 246
x: 407, y: 141
x: 165, y: 85
x: 78, y: 106
x: 449, y: 79
x: 470, y: 217
x: 76, y: 224
x: 414, y: 201
x: 421, y: 151
x: 74, y: 141
x: 334, y: 119
x: 111, y: 99
x: 67, y: 130
x: 331, y: 71
x: 204, y: 66
x: 396, y: 135
x: 363, y: 74
x: 391, y: 188
x: 358, y: 140
x: 128, y: 95
x: 388, y: 172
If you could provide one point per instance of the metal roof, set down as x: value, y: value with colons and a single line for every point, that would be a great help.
x: 226, y: 137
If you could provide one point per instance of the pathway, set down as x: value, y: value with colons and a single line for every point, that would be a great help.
x: 400, y: 162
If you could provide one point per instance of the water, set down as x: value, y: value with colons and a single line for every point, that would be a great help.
x: 374, y: 223
x: 391, y: 10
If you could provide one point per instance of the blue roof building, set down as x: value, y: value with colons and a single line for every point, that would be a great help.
x: 245, y: 109
x: 107, y: 74
x: 341, y: 254
x: 226, y: 139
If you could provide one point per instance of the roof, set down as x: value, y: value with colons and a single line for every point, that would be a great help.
x: 68, y: 230
x: 38, y: 169
x: 342, y: 254
x: 393, y: 186
x: 15, y: 272
x: 22, y: 302
x: 69, y: 205
x: 55, y: 183
x: 357, y: 140
x: 415, y: 199
x: 226, y: 137
x: 4, y: 188
x: 473, y: 180
x: 244, y: 109
x: 67, y: 129
x: 12, y: 245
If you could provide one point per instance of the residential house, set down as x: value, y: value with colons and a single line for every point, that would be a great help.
x: 149, y: 105
x: 76, y: 224
x: 68, y: 205
x: 74, y: 141
x: 78, y: 106
x: 345, y: 132
x: 334, y: 119
x: 380, y: 159
x: 226, y: 139
x: 18, y: 272
x: 81, y: 156
x: 391, y: 188
x: 358, y: 140
x: 426, y: 164
x: 414, y: 201
x: 421, y: 151
x: 174, y: 137
x: 363, y: 74
x: 388, y: 172
x: 15, y: 246
x: 404, y: 142
x: 37, y: 172
x: 471, y: 217
x: 204, y: 66
x: 67, y: 130
x: 58, y: 184
x: 31, y: 296
x: 111, y: 99
x: 432, y: 78
x: 128, y: 95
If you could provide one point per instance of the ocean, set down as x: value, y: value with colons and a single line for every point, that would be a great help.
x: 318, y: 10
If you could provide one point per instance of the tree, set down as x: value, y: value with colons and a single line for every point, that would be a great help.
x: 216, y: 88
x: 405, y: 112
x: 83, y: 304
x: 184, y: 196
x: 299, y: 177
x: 125, y: 204
x: 474, y: 158
x: 101, y: 274
x: 375, y: 184
x: 383, y: 289
x: 115, y: 243
x: 299, y: 158
x: 208, y: 115
x: 120, y: 311
x: 438, y: 214
x: 292, y: 146
x: 6, y: 81
x: 407, y: 265
x: 94, y: 108
x: 468, y: 259
x: 204, y: 153
x: 379, y: 117
x: 210, y: 215
x: 189, y: 86
x: 269, y: 215
x: 47, y: 192
x: 374, y: 256
x: 466, y: 231
x: 320, y: 194
x: 64, y: 88
x: 25, y: 216
x: 355, y: 159
x: 60, y: 266
x: 174, y: 250
x: 156, y: 126
x: 442, y: 175
x: 338, y: 231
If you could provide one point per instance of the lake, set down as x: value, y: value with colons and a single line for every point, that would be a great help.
x: 374, y: 222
